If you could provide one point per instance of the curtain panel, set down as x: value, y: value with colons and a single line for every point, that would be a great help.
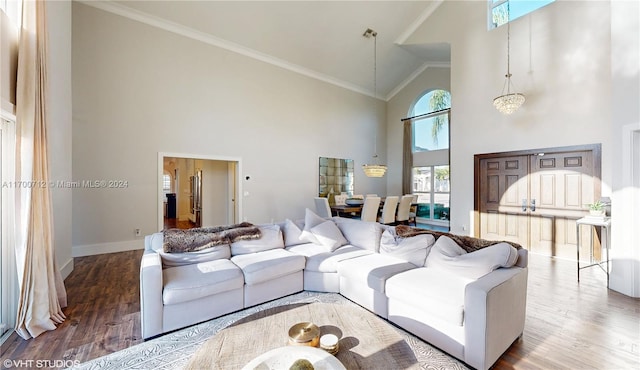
x: 41, y: 288
x: 407, y: 156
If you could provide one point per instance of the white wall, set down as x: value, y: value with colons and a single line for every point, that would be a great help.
x: 625, y: 95
x: 59, y: 128
x: 560, y: 59
x: 138, y: 90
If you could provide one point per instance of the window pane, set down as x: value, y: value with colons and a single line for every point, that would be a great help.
x: 442, y: 179
x: 514, y: 9
x: 166, y: 183
x: 431, y: 133
x: 424, y: 206
x: 441, y: 206
x: 421, y: 179
x: 500, y: 15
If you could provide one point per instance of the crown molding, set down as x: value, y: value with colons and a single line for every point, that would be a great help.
x: 418, y: 22
x: 415, y: 75
x: 209, y: 39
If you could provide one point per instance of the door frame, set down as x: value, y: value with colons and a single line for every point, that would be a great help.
x: 596, y: 150
x: 234, y: 180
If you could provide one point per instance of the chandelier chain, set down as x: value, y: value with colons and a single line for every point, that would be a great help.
x: 375, y: 64
x: 508, y: 42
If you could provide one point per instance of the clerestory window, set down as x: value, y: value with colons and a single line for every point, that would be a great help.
x: 502, y: 11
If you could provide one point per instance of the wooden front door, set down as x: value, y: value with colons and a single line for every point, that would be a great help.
x: 534, y: 197
x: 504, y: 186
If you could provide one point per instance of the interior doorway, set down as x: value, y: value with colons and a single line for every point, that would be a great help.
x: 534, y: 197
x: 198, y: 190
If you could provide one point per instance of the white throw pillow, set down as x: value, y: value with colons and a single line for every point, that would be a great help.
x: 329, y: 235
x: 447, y: 255
x: 361, y: 234
x: 271, y: 239
x: 292, y: 231
x: 311, y: 220
x: 414, y: 249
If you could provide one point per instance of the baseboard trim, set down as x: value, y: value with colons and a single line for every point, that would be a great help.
x: 67, y: 268
x: 102, y: 248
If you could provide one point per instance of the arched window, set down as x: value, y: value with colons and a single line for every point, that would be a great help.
x: 430, y: 158
x: 432, y: 131
x: 166, y: 182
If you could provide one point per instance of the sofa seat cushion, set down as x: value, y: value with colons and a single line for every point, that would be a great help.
x: 268, y: 265
x: 194, y: 281
x: 328, y: 261
x: 372, y: 269
x: 436, y: 292
x: 307, y: 249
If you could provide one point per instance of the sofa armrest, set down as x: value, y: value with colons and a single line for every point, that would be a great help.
x: 153, y: 241
x: 151, y: 306
x: 495, y: 310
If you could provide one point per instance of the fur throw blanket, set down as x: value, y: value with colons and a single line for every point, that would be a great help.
x: 191, y: 240
x: 468, y: 243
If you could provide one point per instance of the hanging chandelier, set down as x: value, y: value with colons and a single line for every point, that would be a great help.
x: 374, y: 170
x: 509, y: 102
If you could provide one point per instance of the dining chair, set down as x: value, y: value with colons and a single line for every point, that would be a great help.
x: 370, y: 209
x: 404, y: 208
x: 340, y: 199
x: 389, y: 210
x: 371, y: 195
x: 322, y: 207
x: 413, y: 212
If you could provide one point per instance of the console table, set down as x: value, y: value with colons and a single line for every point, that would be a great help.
x: 605, y: 224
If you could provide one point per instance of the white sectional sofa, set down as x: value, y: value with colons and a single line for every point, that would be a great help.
x: 469, y: 304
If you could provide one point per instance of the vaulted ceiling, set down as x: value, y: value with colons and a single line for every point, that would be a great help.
x: 321, y: 39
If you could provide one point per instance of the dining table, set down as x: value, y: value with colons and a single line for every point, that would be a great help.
x: 346, y: 210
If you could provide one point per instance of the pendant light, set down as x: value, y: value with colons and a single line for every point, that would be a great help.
x: 509, y: 102
x: 374, y: 170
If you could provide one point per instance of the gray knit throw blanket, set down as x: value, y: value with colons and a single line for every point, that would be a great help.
x: 192, y: 240
x: 468, y: 243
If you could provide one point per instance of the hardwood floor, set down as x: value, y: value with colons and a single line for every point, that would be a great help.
x: 569, y: 325
x: 170, y: 223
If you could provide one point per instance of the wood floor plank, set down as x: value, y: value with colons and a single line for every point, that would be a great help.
x: 569, y: 325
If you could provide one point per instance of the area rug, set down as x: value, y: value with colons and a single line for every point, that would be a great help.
x: 173, y: 350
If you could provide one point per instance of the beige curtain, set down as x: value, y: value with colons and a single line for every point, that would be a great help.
x: 42, y: 292
x: 407, y: 156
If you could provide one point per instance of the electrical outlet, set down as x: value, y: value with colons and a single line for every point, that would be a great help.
x: 137, y: 232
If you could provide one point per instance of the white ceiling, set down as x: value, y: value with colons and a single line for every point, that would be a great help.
x: 321, y: 39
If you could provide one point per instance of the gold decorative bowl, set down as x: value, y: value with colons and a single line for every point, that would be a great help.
x: 304, y: 334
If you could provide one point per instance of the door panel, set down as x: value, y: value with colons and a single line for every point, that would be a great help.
x: 504, y: 185
x: 561, y: 184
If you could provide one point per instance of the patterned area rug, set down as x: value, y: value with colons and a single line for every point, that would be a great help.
x: 173, y: 350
